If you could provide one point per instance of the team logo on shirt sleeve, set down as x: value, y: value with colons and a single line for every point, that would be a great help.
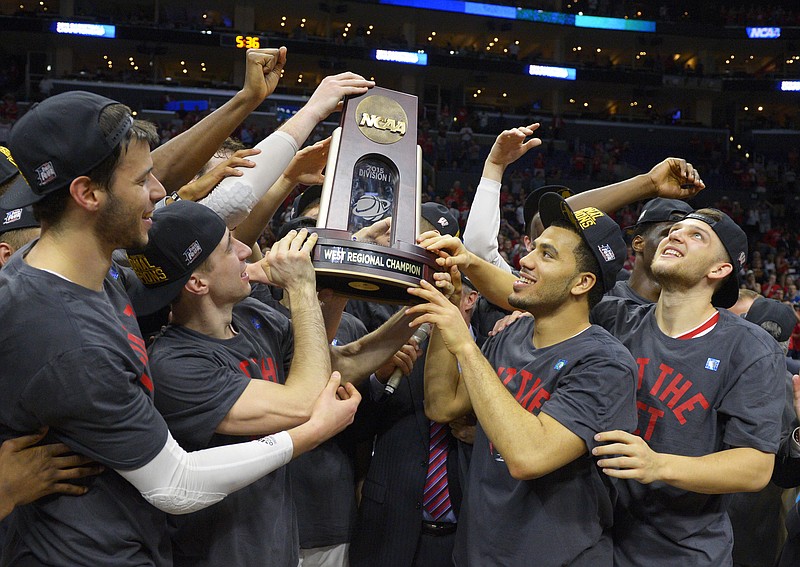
x: 712, y: 364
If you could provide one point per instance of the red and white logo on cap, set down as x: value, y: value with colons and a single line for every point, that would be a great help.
x: 12, y: 216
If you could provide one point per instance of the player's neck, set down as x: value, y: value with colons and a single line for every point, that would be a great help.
x: 203, y: 318
x: 559, y: 325
x: 76, y: 255
x: 680, y: 311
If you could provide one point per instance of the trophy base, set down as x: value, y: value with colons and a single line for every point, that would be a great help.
x: 369, y: 271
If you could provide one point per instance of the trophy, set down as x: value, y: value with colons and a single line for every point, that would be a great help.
x: 374, y: 171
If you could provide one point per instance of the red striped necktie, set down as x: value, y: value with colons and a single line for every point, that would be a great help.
x: 436, y: 496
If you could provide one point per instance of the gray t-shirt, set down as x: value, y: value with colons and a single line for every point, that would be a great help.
x: 73, y: 359
x: 198, y: 379
x: 695, y: 397
x: 587, y: 384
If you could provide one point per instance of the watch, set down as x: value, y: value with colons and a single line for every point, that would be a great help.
x: 175, y: 197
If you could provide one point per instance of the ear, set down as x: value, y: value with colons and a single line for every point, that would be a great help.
x: 526, y: 240
x: 197, y: 284
x: 5, y: 253
x: 638, y: 244
x: 470, y: 300
x: 720, y: 271
x: 584, y: 283
x: 88, y: 196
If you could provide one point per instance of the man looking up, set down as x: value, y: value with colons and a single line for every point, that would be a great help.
x: 709, y: 399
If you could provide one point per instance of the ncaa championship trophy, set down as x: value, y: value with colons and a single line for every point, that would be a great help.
x: 374, y: 171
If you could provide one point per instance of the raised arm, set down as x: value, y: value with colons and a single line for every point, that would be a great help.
x: 306, y: 168
x: 233, y: 199
x: 198, y: 188
x: 265, y: 407
x: 483, y: 224
x: 325, y: 99
x: 673, y: 178
x: 177, y: 161
x: 357, y: 360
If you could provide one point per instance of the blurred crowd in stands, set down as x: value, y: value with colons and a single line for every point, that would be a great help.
x: 760, y: 193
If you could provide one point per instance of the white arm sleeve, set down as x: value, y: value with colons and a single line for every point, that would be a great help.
x: 483, y: 224
x: 178, y: 482
x: 235, y: 197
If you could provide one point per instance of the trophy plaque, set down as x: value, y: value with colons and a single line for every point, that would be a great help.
x: 374, y: 171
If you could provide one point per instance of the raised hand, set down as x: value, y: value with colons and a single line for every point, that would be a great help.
x: 307, y: 165
x: 263, y: 71
x: 202, y: 186
x: 510, y: 145
x: 332, y: 89
x: 439, y: 311
x: 288, y: 263
x: 675, y: 178
x: 451, y: 249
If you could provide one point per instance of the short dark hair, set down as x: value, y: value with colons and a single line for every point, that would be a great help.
x: 51, y: 208
x: 585, y: 261
x: 19, y: 237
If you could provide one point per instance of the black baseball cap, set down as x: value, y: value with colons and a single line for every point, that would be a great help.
x: 8, y: 169
x: 440, y: 217
x: 775, y: 317
x: 183, y: 235
x: 58, y: 140
x: 531, y: 206
x: 16, y: 219
x: 601, y: 234
x: 735, y: 242
x: 306, y: 199
x: 662, y: 210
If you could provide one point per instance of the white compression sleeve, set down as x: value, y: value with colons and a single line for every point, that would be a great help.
x: 178, y: 482
x: 235, y: 197
x: 483, y: 224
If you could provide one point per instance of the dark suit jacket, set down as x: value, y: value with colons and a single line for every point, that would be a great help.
x: 390, y: 516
